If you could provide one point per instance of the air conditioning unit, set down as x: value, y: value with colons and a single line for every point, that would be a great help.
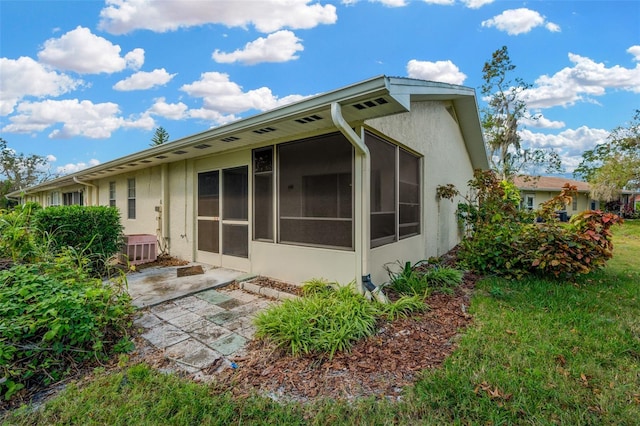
x: 139, y: 249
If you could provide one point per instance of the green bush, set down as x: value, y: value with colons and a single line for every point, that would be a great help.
x: 409, y: 280
x: 18, y: 242
x: 325, y: 321
x: 503, y: 240
x: 52, y: 317
x: 94, y: 231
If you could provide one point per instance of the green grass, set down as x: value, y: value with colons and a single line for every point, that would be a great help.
x: 539, y: 352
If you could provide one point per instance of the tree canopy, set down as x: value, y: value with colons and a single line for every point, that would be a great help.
x: 159, y: 137
x: 18, y: 171
x: 501, y: 119
x: 613, y: 165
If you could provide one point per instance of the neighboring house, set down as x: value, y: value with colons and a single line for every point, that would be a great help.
x: 536, y: 190
x: 334, y: 186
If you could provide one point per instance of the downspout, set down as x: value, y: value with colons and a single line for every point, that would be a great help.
x: 165, y: 205
x: 364, y: 283
x: 76, y: 180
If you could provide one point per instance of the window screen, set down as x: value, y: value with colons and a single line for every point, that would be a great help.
x: 263, y: 194
x: 316, y: 191
x: 409, y: 194
x: 112, y: 194
x: 383, y: 190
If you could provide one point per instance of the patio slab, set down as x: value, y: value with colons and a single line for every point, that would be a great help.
x: 152, y: 286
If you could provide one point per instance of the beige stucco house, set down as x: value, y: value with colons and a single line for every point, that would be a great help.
x: 536, y: 190
x: 334, y: 186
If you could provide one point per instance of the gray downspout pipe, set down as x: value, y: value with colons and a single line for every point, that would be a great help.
x: 364, y: 282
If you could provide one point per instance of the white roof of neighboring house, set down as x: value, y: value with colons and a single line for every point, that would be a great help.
x: 376, y: 97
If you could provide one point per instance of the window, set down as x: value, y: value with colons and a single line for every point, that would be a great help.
x: 112, y: 194
x: 131, y: 198
x: 263, y: 194
x: 574, y: 202
x: 409, y: 194
x: 395, y: 192
x: 529, y: 199
x: 383, y: 190
x: 75, y: 198
x: 316, y: 192
x: 55, y: 198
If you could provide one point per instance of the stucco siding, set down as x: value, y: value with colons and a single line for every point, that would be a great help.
x: 432, y: 131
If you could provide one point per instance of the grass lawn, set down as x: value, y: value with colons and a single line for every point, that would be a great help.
x: 539, y: 352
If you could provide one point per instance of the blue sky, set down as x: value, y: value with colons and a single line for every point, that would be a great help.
x: 85, y: 82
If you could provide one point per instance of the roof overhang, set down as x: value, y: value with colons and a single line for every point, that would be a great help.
x: 373, y: 98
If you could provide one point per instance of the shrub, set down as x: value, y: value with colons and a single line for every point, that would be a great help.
x: 18, y: 241
x: 327, y: 319
x: 409, y: 280
x: 53, y: 316
x: 501, y: 240
x: 94, y: 231
x: 443, y: 278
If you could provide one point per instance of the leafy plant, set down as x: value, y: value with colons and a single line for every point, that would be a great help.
x: 53, y: 316
x: 19, y: 241
x: 409, y: 280
x: 324, y: 321
x: 93, y: 231
x: 403, y: 307
x: 443, y: 278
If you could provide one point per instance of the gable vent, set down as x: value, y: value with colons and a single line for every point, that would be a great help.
x: 180, y: 152
x: 230, y: 139
x: 370, y: 104
x: 264, y: 130
x: 202, y: 146
x: 309, y: 119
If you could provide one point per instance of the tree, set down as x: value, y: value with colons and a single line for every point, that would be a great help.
x: 613, y: 165
x: 159, y: 137
x: 18, y: 171
x: 501, y: 119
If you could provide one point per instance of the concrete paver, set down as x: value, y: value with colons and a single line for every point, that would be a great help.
x: 198, y: 328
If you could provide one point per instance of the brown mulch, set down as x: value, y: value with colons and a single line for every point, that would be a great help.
x: 378, y: 366
x: 278, y: 285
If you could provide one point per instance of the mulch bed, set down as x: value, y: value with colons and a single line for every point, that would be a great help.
x: 378, y: 366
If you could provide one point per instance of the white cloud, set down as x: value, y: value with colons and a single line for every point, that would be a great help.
x: 519, y: 21
x: 226, y: 97
x: 123, y: 16
x: 476, y: 4
x: 78, y: 118
x: 135, y: 59
x: 581, y: 83
x: 635, y: 51
x: 277, y: 47
x: 72, y: 168
x: 83, y: 52
x: 144, y: 80
x: 570, y: 144
x: 25, y: 77
x: 171, y: 111
x: 542, y: 122
x: 443, y: 71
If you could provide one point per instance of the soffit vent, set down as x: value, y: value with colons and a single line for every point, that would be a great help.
x: 202, y: 146
x: 230, y: 139
x: 265, y: 130
x: 120, y: 167
x: 180, y: 152
x: 145, y: 161
x: 309, y: 119
x: 132, y: 164
x: 161, y: 157
x: 370, y: 104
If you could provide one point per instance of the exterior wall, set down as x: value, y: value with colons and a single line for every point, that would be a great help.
x: 584, y: 200
x: 147, y: 198
x: 430, y: 130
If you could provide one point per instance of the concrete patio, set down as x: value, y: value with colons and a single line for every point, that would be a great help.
x: 196, y: 320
